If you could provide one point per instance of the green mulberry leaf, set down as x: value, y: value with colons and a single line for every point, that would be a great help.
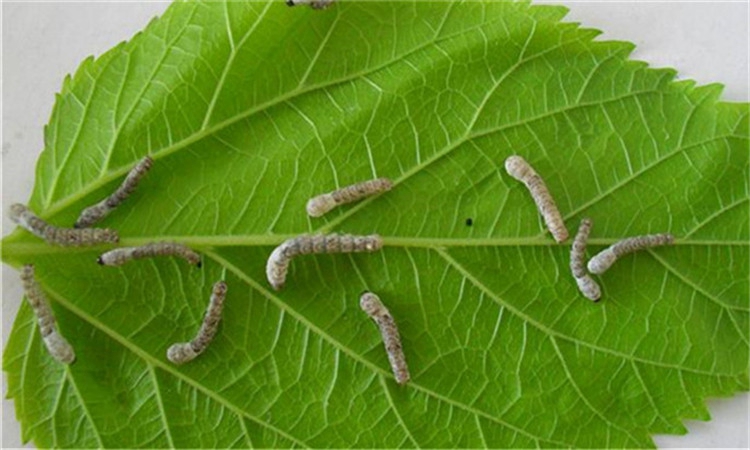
x: 249, y: 109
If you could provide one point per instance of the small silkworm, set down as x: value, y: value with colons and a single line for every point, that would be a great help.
x: 278, y: 262
x: 99, y: 211
x: 588, y: 287
x: 321, y: 204
x: 66, y: 237
x: 57, y: 346
x: 183, y: 352
x: 120, y: 256
x: 604, y: 259
x: 518, y: 168
x: 371, y: 304
x: 314, y: 4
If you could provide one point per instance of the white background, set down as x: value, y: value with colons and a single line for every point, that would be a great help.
x: 42, y: 42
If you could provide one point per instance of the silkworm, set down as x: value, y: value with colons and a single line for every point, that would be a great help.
x: 57, y: 346
x: 321, y: 204
x: 278, y: 262
x: 66, y: 237
x: 314, y: 4
x: 604, y: 259
x: 588, y: 287
x: 120, y: 256
x: 371, y: 304
x: 99, y: 211
x: 183, y: 352
x: 518, y: 168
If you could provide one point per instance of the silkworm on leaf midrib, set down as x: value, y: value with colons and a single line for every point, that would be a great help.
x: 66, y: 237
x: 587, y: 285
x: 278, y: 262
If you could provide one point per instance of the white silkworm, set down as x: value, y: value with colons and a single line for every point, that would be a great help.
x: 371, y: 304
x: 57, y: 346
x: 604, y: 259
x: 321, y: 204
x: 183, y: 352
x: 278, y: 262
x: 588, y: 287
x: 314, y: 4
x: 120, y: 256
x: 99, y: 211
x: 67, y: 237
x: 518, y: 168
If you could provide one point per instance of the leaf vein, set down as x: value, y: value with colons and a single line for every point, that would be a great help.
x: 558, y: 334
x: 160, y: 404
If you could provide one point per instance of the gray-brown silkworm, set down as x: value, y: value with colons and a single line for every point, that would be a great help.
x: 67, y: 237
x: 518, y: 168
x: 588, y: 287
x: 95, y: 213
x: 321, y: 204
x: 604, y: 259
x: 120, y: 256
x: 278, y: 262
x: 57, y: 346
x: 371, y: 304
x: 183, y: 352
x: 314, y: 4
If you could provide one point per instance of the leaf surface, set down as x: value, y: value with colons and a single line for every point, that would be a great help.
x: 249, y: 109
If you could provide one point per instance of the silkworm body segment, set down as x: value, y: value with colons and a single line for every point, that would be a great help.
x: 604, y: 259
x: 588, y: 287
x: 321, y: 204
x: 183, y: 352
x: 57, y: 346
x: 371, y: 304
x: 66, y: 237
x: 99, y: 211
x: 518, y: 168
x: 120, y: 256
x: 277, y: 265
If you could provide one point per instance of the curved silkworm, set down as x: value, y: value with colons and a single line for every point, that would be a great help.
x: 588, y: 287
x: 66, y: 237
x: 604, y: 259
x: 321, y: 204
x: 518, y: 168
x: 183, y: 352
x: 371, y: 304
x: 278, y: 262
x: 99, y: 211
x: 120, y: 256
x: 57, y: 346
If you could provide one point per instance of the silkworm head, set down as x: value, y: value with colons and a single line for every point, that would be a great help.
x: 370, y: 303
x: 16, y: 210
x: 516, y: 166
x: 180, y: 353
x: 220, y: 288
